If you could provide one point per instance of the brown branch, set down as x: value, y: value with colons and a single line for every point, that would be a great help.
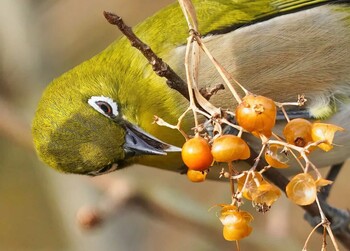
x: 159, y: 66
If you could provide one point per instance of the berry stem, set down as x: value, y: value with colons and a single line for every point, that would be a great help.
x: 232, y: 182
x: 257, y: 159
x: 326, y: 224
x: 190, y: 79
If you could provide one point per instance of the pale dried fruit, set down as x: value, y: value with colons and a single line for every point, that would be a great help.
x: 236, y: 223
x: 265, y: 195
x: 251, y: 184
x: 275, y: 156
x: 322, y: 131
x: 302, y: 189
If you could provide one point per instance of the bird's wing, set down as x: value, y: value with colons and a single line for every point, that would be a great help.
x: 235, y: 14
x: 215, y: 17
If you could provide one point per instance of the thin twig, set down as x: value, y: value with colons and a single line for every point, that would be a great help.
x: 159, y: 66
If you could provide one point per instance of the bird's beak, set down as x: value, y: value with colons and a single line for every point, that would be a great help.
x: 139, y: 142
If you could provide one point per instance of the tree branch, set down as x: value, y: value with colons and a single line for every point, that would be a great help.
x: 159, y: 67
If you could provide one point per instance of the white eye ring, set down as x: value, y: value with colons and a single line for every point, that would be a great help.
x: 104, y: 105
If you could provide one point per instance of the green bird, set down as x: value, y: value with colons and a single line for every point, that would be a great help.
x: 98, y: 117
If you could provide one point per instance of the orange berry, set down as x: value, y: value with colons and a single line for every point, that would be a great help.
x: 256, y: 114
x: 196, y: 154
x: 236, y: 232
x: 227, y: 148
x: 196, y: 176
x: 298, y: 132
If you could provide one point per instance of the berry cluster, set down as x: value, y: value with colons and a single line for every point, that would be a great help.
x: 257, y: 115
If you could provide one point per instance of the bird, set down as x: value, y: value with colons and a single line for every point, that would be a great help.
x: 98, y: 117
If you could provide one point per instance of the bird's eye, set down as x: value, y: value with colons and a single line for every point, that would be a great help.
x: 104, y: 105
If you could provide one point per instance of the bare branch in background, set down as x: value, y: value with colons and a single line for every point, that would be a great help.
x: 120, y: 194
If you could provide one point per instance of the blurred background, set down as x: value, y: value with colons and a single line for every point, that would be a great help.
x: 139, y: 208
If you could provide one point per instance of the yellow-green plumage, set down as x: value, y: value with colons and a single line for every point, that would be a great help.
x: 72, y: 137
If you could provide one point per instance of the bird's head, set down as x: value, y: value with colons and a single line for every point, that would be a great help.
x: 79, y: 127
